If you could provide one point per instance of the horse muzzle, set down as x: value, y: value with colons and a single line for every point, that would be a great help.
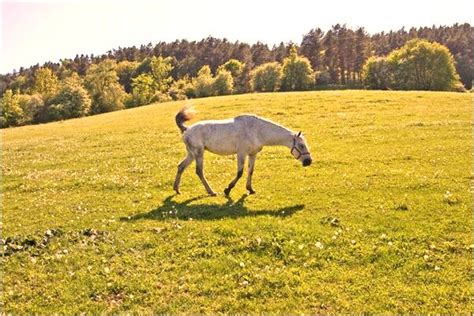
x: 307, y: 162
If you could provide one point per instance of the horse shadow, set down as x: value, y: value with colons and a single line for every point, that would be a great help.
x: 231, y: 209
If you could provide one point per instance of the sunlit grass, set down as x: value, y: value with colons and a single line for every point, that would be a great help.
x: 380, y: 222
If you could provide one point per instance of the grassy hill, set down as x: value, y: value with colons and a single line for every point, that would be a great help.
x: 380, y: 222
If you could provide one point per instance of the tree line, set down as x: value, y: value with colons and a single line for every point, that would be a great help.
x: 133, y: 76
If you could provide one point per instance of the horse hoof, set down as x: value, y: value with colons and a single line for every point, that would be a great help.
x: 226, y: 192
x: 177, y: 191
x: 252, y: 191
x: 212, y: 193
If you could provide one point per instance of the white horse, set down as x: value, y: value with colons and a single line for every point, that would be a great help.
x: 244, y: 135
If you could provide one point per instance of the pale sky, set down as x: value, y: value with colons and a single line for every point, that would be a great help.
x: 39, y: 31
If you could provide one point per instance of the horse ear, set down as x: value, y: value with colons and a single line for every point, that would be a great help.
x: 299, y: 134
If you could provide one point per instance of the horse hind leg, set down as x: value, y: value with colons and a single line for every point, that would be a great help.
x: 250, y: 173
x: 199, y: 156
x: 181, y: 167
x: 240, y: 171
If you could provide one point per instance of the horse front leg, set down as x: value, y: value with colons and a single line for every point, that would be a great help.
x: 200, y: 172
x: 250, y: 173
x: 240, y: 171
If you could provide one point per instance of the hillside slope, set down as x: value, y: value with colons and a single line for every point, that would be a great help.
x: 380, y: 222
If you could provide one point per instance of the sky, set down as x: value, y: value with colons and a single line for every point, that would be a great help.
x: 39, y: 31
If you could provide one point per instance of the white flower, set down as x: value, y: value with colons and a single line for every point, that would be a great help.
x: 437, y: 268
x: 300, y: 246
x: 242, y: 265
x: 319, y: 245
x: 425, y: 257
x: 390, y: 243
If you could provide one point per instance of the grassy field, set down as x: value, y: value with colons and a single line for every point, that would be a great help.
x: 380, y: 222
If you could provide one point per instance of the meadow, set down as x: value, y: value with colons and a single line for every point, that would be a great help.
x: 381, y: 221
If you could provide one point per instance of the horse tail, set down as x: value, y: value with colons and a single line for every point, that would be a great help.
x: 185, y: 114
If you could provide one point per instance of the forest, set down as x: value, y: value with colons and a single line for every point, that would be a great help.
x: 132, y: 76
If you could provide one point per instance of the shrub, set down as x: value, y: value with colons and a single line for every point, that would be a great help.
x: 418, y: 65
x: 377, y: 73
x: 203, y: 84
x: 161, y: 97
x: 142, y: 90
x: 421, y: 65
x: 31, y: 106
x: 11, y: 112
x: 125, y: 72
x: 297, y: 73
x: 322, y: 78
x: 181, y: 89
x: 56, y: 112
x: 266, y: 77
x: 234, y: 66
x: 71, y: 101
x: 223, y: 83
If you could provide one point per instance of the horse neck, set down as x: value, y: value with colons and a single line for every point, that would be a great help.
x: 275, y: 135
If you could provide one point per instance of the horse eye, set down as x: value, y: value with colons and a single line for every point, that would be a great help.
x: 301, y: 146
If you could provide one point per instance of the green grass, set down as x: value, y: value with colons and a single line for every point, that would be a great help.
x: 380, y: 222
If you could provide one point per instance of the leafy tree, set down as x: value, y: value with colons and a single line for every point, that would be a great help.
x: 266, y: 77
x: 421, y: 65
x: 102, y: 83
x: 361, y: 50
x: 71, y: 101
x: 11, y: 112
x: 418, y: 65
x: 31, y: 106
x: 126, y: 71
x: 181, y: 89
x: 143, y: 67
x: 377, y: 73
x: 312, y: 46
x: 20, y: 84
x: 153, y: 83
x: 280, y: 52
x: 260, y: 53
x: 188, y: 66
x: 46, y: 83
x: 143, y: 89
x: 297, y: 72
x: 234, y: 66
x: 203, y: 83
x: 223, y: 83
x: 342, y: 55
x: 160, y: 71
x: 242, y: 53
x: 330, y: 56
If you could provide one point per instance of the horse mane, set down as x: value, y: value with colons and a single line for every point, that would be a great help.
x: 268, y: 121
